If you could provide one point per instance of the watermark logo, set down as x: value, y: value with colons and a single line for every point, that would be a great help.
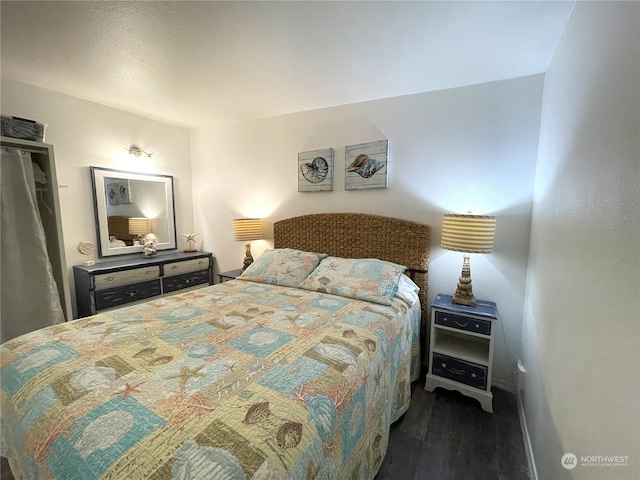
x: 569, y: 461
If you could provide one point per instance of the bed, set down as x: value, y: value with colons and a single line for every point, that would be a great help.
x: 251, y: 378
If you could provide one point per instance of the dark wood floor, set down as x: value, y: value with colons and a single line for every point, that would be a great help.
x: 447, y: 436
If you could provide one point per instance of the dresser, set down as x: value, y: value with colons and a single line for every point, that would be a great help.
x: 461, y: 348
x: 117, y: 283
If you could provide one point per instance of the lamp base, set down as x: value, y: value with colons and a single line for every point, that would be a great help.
x: 464, y: 292
x: 248, y: 259
x: 463, y: 299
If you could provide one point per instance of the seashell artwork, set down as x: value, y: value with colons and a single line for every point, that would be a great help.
x: 288, y: 435
x: 324, y: 413
x: 370, y: 345
x: 315, y: 170
x: 257, y: 413
x: 208, y: 462
x: 366, y: 165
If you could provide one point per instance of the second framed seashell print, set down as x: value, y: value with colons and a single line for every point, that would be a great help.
x: 366, y: 165
x: 315, y: 170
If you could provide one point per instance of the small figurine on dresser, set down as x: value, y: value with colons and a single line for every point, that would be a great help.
x: 149, y: 248
x: 191, y: 242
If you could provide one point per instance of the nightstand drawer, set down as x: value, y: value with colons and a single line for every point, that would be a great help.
x: 178, y: 268
x: 460, y: 371
x: 117, y: 296
x: 187, y: 280
x: 463, y: 323
x: 126, y: 277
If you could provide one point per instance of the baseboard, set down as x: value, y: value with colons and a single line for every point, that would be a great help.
x: 503, y: 385
x: 533, y: 473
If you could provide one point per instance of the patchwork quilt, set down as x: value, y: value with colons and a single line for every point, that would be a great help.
x: 237, y: 380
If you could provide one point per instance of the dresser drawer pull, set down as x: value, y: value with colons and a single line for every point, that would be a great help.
x: 110, y: 279
x: 173, y: 267
x: 460, y: 324
x: 133, y: 293
x: 456, y: 371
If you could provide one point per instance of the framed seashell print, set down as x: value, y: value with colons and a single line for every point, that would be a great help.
x: 315, y: 170
x: 366, y: 165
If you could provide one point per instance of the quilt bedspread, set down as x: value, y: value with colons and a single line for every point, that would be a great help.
x: 238, y: 380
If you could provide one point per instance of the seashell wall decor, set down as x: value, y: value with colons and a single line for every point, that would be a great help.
x: 366, y: 165
x: 315, y: 170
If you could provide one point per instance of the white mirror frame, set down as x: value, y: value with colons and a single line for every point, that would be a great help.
x: 98, y: 176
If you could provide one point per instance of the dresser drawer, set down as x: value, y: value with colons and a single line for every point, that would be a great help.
x: 460, y: 371
x: 117, y: 296
x: 186, y: 280
x: 126, y: 277
x: 463, y: 323
x: 178, y: 268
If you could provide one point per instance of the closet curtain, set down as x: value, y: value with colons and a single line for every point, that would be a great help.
x: 28, y: 292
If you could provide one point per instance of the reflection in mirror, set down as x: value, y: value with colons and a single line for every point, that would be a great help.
x: 131, y: 207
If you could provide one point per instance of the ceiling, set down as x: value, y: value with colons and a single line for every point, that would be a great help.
x: 196, y: 63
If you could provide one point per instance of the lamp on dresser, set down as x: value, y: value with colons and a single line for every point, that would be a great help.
x: 467, y: 234
x: 139, y: 227
x: 248, y: 229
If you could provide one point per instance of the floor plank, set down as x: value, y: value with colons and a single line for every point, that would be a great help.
x: 447, y: 436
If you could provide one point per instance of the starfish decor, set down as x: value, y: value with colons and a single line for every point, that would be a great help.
x: 190, y: 241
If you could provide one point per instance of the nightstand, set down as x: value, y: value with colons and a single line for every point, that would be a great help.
x: 229, y: 275
x: 461, y: 348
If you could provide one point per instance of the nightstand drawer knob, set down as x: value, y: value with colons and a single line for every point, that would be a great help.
x: 460, y: 324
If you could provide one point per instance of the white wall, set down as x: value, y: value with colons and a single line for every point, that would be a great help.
x: 85, y: 134
x: 455, y: 150
x: 582, y: 316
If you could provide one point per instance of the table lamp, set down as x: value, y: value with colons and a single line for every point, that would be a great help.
x: 247, y: 229
x: 467, y: 234
x: 139, y: 227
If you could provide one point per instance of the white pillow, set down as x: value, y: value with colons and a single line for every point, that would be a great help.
x: 407, y: 290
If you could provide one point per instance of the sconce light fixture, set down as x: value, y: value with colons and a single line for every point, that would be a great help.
x: 137, y: 151
x: 467, y: 234
x: 248, y: 229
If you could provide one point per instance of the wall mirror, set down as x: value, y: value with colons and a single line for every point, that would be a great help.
x: 119, y: 197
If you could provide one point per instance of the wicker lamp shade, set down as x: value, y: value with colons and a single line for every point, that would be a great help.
x: 467, y: 234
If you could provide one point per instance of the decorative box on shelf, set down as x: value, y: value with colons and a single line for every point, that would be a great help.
x: 113, y: 284
x: 461, y: 348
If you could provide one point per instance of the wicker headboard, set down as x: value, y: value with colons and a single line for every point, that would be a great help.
x: 119, y: 228
x: 359, y: 235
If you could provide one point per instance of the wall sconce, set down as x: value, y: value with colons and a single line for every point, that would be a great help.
x: 467, y: 234
x: 137, y: 151
x: 248, y: 229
